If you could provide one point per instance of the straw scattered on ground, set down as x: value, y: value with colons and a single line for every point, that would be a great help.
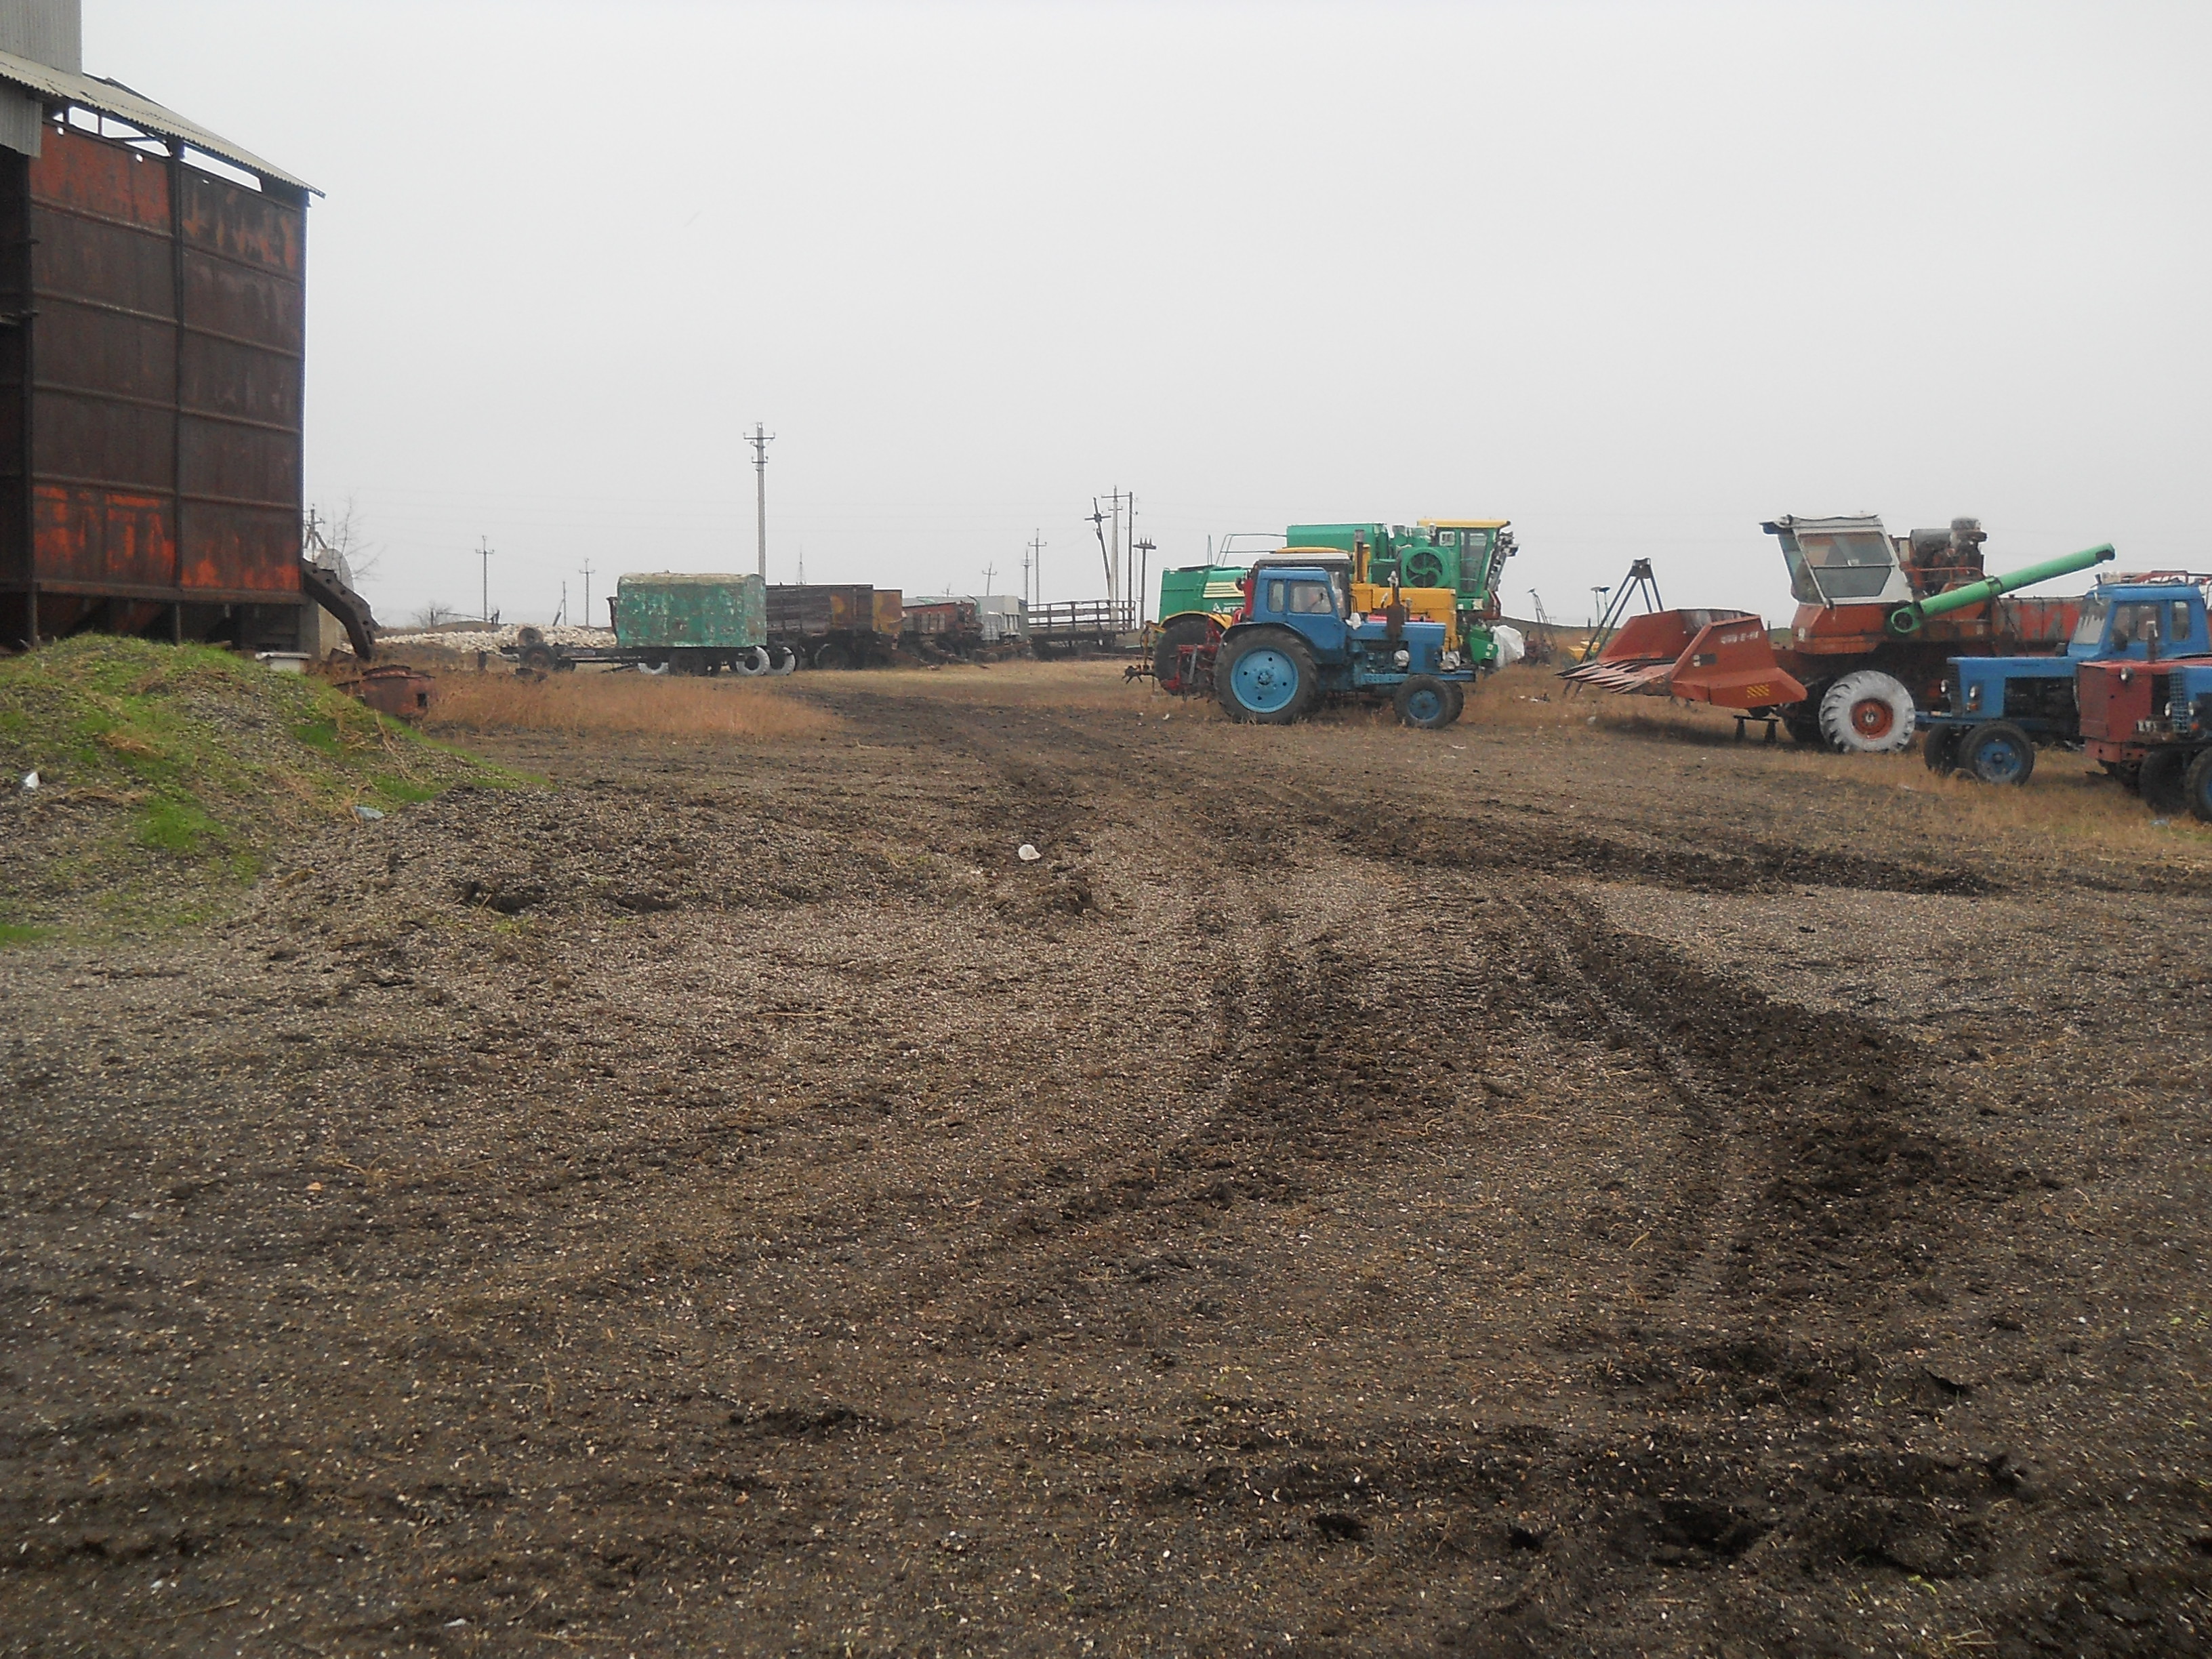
x: 633, y: 705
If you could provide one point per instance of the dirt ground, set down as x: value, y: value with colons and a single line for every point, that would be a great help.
x: 1531, y: 1188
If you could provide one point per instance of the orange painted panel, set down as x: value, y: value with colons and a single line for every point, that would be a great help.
x: 78, y: 170
x: 96, y: 536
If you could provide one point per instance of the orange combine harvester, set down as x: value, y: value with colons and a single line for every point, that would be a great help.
x: 1877, y: 619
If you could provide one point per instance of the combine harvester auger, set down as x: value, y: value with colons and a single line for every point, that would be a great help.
x: 1878, y: 618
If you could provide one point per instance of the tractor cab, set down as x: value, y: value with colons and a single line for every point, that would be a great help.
x: 2141, y: 618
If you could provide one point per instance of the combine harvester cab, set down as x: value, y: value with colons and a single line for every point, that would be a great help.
x: 1879, y: 619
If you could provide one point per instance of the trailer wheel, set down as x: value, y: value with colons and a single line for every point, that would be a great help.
x: 833, y: 656
x: 1167, y: 652
x: 2162, y: 782
x: 751, y: 663
x: 1266, y: 676
x: 1941, y: 751
x: 537, y: 657
x: 1999, y: 752
x: 789, y: 664
x: 1423, y: 702
x: 1867, y: 712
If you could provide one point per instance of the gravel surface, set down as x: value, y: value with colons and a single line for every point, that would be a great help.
x: 1360, y: 1191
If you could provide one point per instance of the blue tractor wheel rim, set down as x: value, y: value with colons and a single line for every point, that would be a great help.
x: 1425, y: 705
x: 2000, y: 760
x: 1265, y: 680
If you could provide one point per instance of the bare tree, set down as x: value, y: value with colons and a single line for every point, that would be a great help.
x: 338, y: 534
x: 434, y: 615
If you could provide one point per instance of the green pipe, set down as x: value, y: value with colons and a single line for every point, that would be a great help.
x: 1906, y: 618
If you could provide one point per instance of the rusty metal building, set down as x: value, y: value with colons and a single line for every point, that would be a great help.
x: 152, y: 332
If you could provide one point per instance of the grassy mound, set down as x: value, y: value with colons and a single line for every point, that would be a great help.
x: 167, y: 773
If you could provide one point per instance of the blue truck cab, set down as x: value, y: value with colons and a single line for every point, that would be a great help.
x: 1996, y: 711
x: 1297, y: 640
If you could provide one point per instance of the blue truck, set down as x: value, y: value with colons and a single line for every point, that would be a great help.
x: 1996, y: 712
x: 1297, y: 642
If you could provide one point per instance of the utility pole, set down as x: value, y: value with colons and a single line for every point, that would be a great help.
x: 1115, y: 574
x: 990, y: 571
x: 1033, y: 559
x: 484, y: 553
x: 562, y: 615
x: 586, y: 573
x: 760, y: 441
x: 1098, y: 529
x: 1145, y: 550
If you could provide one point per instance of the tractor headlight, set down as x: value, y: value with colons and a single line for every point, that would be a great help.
x: 1403, y: 659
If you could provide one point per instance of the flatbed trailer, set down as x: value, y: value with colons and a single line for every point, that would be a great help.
x: 1067, y: 625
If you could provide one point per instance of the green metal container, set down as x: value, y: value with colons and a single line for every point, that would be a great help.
x: 669, y: 610
x: 1202, y: 590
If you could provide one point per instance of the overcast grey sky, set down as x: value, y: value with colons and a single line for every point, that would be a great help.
x: 1633, y: 276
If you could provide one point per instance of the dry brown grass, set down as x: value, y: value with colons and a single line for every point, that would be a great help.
x: 2069, y: 808
x: 637, y: 704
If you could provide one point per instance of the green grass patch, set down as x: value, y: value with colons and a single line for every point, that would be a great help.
x: 15, y: 932
x: 169, y: 773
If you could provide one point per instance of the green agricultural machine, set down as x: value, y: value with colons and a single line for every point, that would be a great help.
x: 1445, y: 569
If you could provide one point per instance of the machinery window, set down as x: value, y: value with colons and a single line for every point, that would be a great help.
x: 1848, y: 564
x: 1273, y: 601
x: 1311, y: 598
x: 2089, y: 630
x: 2178, y: 629
x: 2129, y: 621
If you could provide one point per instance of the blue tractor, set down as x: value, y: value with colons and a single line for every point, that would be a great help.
x: 1997, y: 711
x: 1297, y: 642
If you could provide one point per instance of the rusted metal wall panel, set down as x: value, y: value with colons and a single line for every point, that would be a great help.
x: 166, y: 358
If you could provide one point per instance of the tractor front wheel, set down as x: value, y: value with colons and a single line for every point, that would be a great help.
x: 1424, y: 702
x: 2161, y: 783
x: 1267, y: 677
x: 1999, y: 752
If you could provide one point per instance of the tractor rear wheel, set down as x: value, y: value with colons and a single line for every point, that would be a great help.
x: 1999, y: 752
x: 1941, y: 751
x: 2196, y: 785
x: 1867, y: 712
x: 1424, y: 702
x: 1266, y: 676
x: 2160, y: 783
x: 1457, y: 689
x: 833, y: 656
x: 1167, y: 652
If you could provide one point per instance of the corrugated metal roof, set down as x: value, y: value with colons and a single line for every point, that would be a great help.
x: 113, y: 98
